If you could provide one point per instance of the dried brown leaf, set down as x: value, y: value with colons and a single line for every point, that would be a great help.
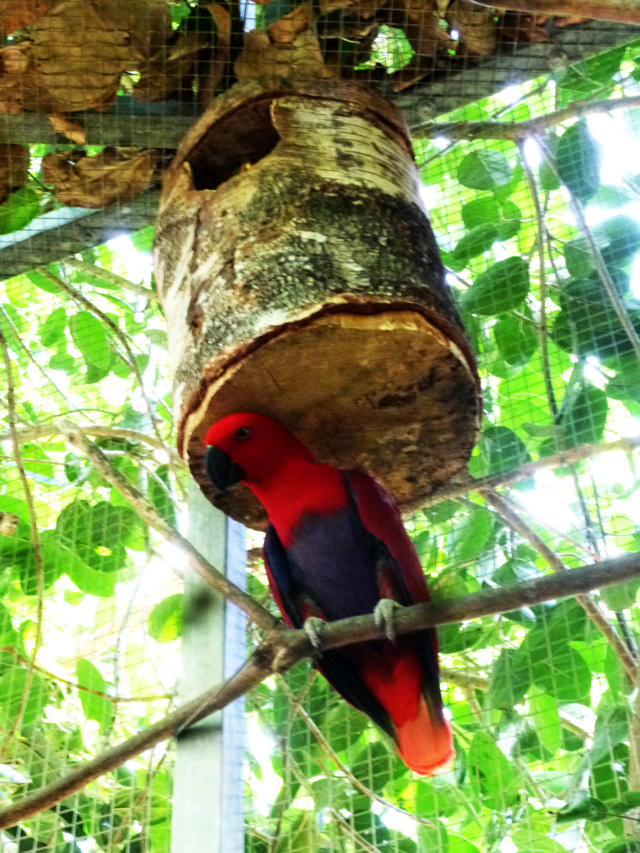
x: 79, y: 57
x: 300, y: 58
x: 476, y: 26
x: 171, y: 69
x: 284, y: 30
x: 14, y: 168
x: 18, y: 14
x: 73, y: 130
x: 114, y: 175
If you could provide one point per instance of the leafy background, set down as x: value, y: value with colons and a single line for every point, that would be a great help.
x: 544, y: 716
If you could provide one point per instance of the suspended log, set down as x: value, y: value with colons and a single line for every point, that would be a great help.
x: 301, y: 279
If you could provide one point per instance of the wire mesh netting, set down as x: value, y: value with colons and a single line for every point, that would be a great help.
x: 525, y: 133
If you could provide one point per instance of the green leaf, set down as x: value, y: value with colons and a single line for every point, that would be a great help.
x: 490, y: 773
x: 527, y: 840
x: 36, y: 460
x: 97, y: 708
x: 343, y: 725
x: 502, y: 449
x: 434, y: 837
x: 470, y: 535
x: 623, y: 233
x: 621, y: 596
x: 43, y: 282
x: 165, y: 620
x: 373, y: 766
x: 479, y: 239
x: 577, y: 254
x: 7, y: 631
x: 612, y: 727
x: 509, y: 681
x: 459, y: 844
x: 544, y: 713
x: 89, y: 580
x: 160, y: 496
x: 480, y: 211
x: 554, y: 667
x: 581, y: 807
x: 52, y: 564
x: 90, y: 337
x: 517, y: 340
x: 109, y: 525
x: 500, y: 288
x: 52, y: 329
x: 578, y: 158
x: 63, y: 361
x: 13, y: 690
x: 585, y: 420
x: 18, y: 210
x: 484, y: 170
x: 301, y: 836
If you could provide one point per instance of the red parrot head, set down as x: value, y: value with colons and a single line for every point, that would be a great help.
x: 248, y: 448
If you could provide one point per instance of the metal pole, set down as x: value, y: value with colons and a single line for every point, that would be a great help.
x: 208, y: 813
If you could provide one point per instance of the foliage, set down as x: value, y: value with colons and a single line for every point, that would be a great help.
x: 542, y: 710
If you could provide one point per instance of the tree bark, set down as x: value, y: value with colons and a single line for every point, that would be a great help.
x: 301, y: 279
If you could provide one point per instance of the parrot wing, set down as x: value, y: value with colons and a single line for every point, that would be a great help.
x: 296, y: 606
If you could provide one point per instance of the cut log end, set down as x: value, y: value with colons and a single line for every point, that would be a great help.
x: 388, y: 392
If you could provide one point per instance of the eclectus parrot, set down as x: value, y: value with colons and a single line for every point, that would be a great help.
x: 336, y: 547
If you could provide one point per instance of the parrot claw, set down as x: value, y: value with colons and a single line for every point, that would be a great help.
x: 384, y: 615
x: 314, y: 629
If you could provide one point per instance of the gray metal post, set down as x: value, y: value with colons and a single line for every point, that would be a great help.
x: 208, y: 814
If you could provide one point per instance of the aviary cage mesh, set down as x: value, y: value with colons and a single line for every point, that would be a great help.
x: 544, y: 713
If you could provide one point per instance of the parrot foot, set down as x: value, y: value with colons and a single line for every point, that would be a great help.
x: 384, y: 615
x: 314, y: 629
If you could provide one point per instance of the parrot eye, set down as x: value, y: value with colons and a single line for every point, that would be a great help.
x: 243, y: 432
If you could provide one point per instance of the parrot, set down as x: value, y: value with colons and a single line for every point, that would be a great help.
x: 336, y: 547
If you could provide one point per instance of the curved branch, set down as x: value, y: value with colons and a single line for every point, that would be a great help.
x: 216, y: 580
x: 517, y: 131
x: 112, y: 278
x: 31, y: 433
x: 283, y: 647
x: 35, y: 544
x: 530, y: 469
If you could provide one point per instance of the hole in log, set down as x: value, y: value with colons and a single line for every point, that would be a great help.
x: 245, y: 136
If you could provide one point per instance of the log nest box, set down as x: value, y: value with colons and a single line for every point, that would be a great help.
x: 300, y: 278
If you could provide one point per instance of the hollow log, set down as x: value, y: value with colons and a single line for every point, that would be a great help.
x: 301, y: 279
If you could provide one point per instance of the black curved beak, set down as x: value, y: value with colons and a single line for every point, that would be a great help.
x: 223, y: 473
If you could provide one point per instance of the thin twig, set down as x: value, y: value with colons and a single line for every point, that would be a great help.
x: 35, y: 544
x: 59, y: 679
x: 30, y: 433
x: 82, y: 300
x: 216, y: 580
x: 520, y: 130
x: 597, y: 616
x: 283, y: 647
x: 530, y: 469
x: 540, y: 231
x: 112, y: 278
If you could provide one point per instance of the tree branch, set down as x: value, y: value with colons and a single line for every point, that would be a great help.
x: 112, y: 278
x: 624, y: 11
x: 35, y: 544
x: 283, y: 647
x: 590, y: 606
x: 518, y: 131
x: 31, y: 433
x: 530, y: 469
x: 150, y: 516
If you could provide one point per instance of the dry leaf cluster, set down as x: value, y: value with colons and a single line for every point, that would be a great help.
x: 114, y: 175
x: 14, y: 168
